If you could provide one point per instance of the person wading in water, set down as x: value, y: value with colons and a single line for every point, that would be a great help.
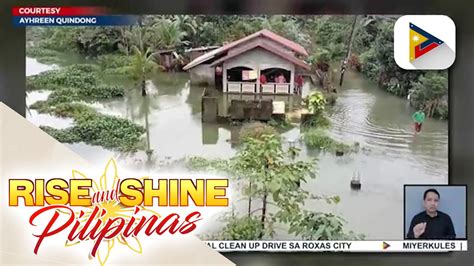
x: 419, y: 118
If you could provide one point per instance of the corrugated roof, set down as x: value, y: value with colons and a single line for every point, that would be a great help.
x: 263, y: 33
x: 203, y: 58
x: 202, y: 48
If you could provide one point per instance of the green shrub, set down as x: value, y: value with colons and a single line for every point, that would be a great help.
x: 244, y: 228
x: 318, y: 139
x: 341, y: 147
x: 322, y: 226
x: 369, y: 64
x: 115, y: 64
x: 321, y: 121
x: 282, y: 124
x: 316, y: 102
x: 442, y: 111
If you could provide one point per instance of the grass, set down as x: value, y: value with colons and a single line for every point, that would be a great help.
x: 280, y: 124
x: 317, y: 138
x: 321, y: 121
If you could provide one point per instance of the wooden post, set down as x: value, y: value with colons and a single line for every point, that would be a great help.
x: 291, y: 87
x: 224, y: 78
x: 258, y: 89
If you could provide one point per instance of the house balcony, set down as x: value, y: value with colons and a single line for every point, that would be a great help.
x: 251, y: 88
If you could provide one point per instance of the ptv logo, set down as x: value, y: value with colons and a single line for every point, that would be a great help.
x: 425, y: 42
x: 421, y: 42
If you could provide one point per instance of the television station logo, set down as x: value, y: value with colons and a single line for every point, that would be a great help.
x: 424, y: 42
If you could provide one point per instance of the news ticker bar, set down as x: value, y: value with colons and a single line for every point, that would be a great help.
x: 339, y: 246
x: 68, y: 16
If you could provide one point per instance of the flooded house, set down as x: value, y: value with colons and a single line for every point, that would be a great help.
x: 261, y: 63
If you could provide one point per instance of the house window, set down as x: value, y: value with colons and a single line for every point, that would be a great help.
x: 277, y: 75
x: 241, y: 74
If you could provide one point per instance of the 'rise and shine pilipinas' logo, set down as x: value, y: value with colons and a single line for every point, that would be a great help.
x: 114, y: 210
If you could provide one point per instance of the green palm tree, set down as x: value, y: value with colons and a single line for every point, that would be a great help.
x: 170, y: 34
x: 142, y: 63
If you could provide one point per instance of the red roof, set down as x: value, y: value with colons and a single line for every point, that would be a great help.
x: 272, y: 36
x: 266, y: 45
x: 298, y: 49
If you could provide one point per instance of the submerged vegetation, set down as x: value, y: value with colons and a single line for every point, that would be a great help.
x: 317, y: 138
x: 71, y: 87
x: 98, y: 129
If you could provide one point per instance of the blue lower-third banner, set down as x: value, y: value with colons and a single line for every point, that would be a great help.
x: 75, y: 21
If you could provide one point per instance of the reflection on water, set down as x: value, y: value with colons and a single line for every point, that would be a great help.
x: 174, y: 119
x: 392, y: 155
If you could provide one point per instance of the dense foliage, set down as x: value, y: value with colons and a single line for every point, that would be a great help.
x: 325, y: 37
x: 270, y: 179
x: 377, y: 62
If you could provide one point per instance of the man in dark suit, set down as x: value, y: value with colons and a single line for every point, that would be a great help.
x: 431, y: 223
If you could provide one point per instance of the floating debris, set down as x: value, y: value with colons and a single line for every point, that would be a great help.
x: 355, y: 181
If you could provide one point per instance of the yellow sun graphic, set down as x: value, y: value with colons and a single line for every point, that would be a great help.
x: 107, y: 182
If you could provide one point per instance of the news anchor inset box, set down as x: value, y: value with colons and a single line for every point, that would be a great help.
x: 435, y: 212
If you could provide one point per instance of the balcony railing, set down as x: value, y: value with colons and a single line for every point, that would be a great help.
x: 251, y: 88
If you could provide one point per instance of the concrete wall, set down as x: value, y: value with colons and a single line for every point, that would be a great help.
x: 258, y: 59
x: 251, y: 110
x: 209, y: 106
x: 202, y: 74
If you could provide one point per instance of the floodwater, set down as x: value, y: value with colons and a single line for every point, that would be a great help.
x: 391, y: 155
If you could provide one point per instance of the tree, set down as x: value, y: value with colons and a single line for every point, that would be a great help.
x: 143, y: 58
x: 429, y: 92
x: 268, y: 176
x: 141, y: 63
x: 170, y: 34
